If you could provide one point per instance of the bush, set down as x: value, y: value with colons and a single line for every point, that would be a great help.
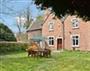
x: 8, y: 47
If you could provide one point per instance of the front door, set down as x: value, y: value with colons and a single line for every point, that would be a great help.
x: 59, y: 43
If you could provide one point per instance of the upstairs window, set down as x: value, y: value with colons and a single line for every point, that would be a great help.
x: 75, y: 23
x: 51, y: 26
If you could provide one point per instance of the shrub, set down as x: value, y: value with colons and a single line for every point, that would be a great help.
x: 8, y: 47
x: 6, y: 34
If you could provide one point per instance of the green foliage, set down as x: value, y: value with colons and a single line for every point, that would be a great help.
x: 39, y: 17
x: 9, y: 47
x: 64, y: 61
x: 62, y: 7
x: 6, y: 34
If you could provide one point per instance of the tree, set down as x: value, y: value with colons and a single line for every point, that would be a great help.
x: 63, y: 7
x: 28, y: 17
x: 24, y: 20
x: 6, y: 34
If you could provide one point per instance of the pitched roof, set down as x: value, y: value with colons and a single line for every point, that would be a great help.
x: 35, y: 25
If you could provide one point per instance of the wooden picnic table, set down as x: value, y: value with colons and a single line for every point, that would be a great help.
x: 40, y: 52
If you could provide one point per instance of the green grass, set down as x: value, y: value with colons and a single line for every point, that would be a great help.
x: 65, y: 61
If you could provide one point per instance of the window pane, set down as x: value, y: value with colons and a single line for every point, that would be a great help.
x: 75, y: 23
x: 76, y: 37
x: 49, y: 38
x: 76, y: 42
x: 51, y: 41
x: 51, y: 26
x: 73, y: 41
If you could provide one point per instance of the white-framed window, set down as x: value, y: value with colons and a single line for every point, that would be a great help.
x: 51, y: 26
x: 75, y: 40
x: 50, y: 40
x: 75, y: 23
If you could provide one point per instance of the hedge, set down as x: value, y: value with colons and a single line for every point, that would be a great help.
x: 8, y: 47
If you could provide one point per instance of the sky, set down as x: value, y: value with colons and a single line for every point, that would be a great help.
x: 9, y: 10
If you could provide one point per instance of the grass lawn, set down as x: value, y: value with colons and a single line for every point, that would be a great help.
x: 65, y: 61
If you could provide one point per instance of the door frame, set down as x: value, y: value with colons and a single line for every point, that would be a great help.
x: 60, y: 38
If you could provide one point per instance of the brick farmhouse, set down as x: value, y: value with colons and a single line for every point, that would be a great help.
x: 76, y: 33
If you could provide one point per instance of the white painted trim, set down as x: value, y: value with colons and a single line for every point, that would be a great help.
x: 48, y: 40
x: 62, y: 40
x: 78, y: 40
x: 72, y: 22
x: 59, y: 38
x: 52, y: 21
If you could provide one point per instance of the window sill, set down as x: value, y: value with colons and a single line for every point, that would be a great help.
x: 75, y: 46
x: 51, y: 45
x: 75, y: 28
x: 51, y: 30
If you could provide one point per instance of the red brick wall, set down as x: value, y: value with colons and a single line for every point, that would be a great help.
x: 83, y: 31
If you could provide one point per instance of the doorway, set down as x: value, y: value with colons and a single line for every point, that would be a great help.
x: 59, y: 43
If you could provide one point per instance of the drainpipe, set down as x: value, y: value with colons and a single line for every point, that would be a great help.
x: 63, y: 18
x: 63, y: 34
